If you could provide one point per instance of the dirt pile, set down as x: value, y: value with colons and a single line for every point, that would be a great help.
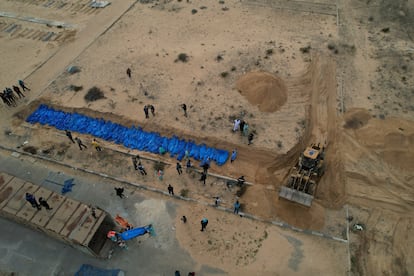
x: 263, y: 89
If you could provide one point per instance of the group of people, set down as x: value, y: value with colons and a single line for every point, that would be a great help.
x: 10, y: 96
x: 38, y: 205
x: 81, y: 145
x: 147, y: 108
x: 136, y: 161
x: 240, y: 124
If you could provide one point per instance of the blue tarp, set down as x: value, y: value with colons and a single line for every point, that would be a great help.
x: 136, y: 232
x: 133, y: 137
x: 88, y: 270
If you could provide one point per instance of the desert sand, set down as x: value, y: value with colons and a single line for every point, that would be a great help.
x: 297, y: 72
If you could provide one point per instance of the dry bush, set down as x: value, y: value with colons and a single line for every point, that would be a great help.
x: 30, y: 149
x: 183, y: 57
x: 94, y: 94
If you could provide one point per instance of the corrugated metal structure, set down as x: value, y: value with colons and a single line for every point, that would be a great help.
x: 69, y: 220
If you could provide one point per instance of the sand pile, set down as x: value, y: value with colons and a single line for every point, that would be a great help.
x: 263, y: 89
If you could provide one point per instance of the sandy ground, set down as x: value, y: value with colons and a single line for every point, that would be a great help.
x: 350, y: 90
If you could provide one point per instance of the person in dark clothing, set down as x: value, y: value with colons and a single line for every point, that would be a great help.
x: 250, y: 138
x: 18, y: 92
x: 129, y: 72
x: 32, y: 200
x: 69, y: 135
x: 93, y: 212
x: 146, y: 111
x: 120, y: 192
x: 170, y: 189
x: 205, y: 166
x: 217, y: 201
x: 80, y: 144
x: 135, y: 162
x: 4, y: 98
x: 242, y: 123
x: 141, y: 169
x: 204, y: 223
x: 10, y: 97
x: 152, y: 108
x: 188, y: 166
x: 184, y: 219
x: 23, y: 85
x: 203, y: 177
x: 241, y: 180
x: 184, y: 107
x: 44, y: 203
x: 179, y: 168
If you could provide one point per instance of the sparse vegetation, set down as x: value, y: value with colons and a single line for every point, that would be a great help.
x: 306, y: 49
x: 183, y: 57
x: 193, y: 11
x: 75, y: 88
x: 159, y: 166
x: 269, y: 52
x: 385, y: 30
x: 279, y: 144
x: 94, y: 94
x: 224, y: 74
x: 30, y: 149
x: 184, y: 192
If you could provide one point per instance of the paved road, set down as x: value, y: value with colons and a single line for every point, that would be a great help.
x: 32, y: 253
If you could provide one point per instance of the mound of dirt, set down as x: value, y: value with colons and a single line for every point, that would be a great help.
x: 263, y: 89
x: 356, y: 118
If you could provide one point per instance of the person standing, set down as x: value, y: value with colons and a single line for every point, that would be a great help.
x: 32, y: 200
x: 80, y: 144
x: 160, y: 175
x: 179, y: 168
x: 18, y: 92
x: 96, y: 145
x: 233, y: 155
x: 128, y: 71
x: 250, y: 138
x: 204, y: 222
x: 170, y: 189
x: 203, y: 177
x: 44, y: 203
x: 245, y: 129
x: 4, y: 98
x: 188, y: 166
x: 236, y: 207
x: 241, y: 181
x: 241, y: 125
x: 142, y: 169
x: 236, y: 125
x: 184, y: 107
x: 152, y: 108
x: 69, y: 135
x: 23, y: 85
x: 135, y: 162
x: 146, y: 111
x: 217, y: 201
